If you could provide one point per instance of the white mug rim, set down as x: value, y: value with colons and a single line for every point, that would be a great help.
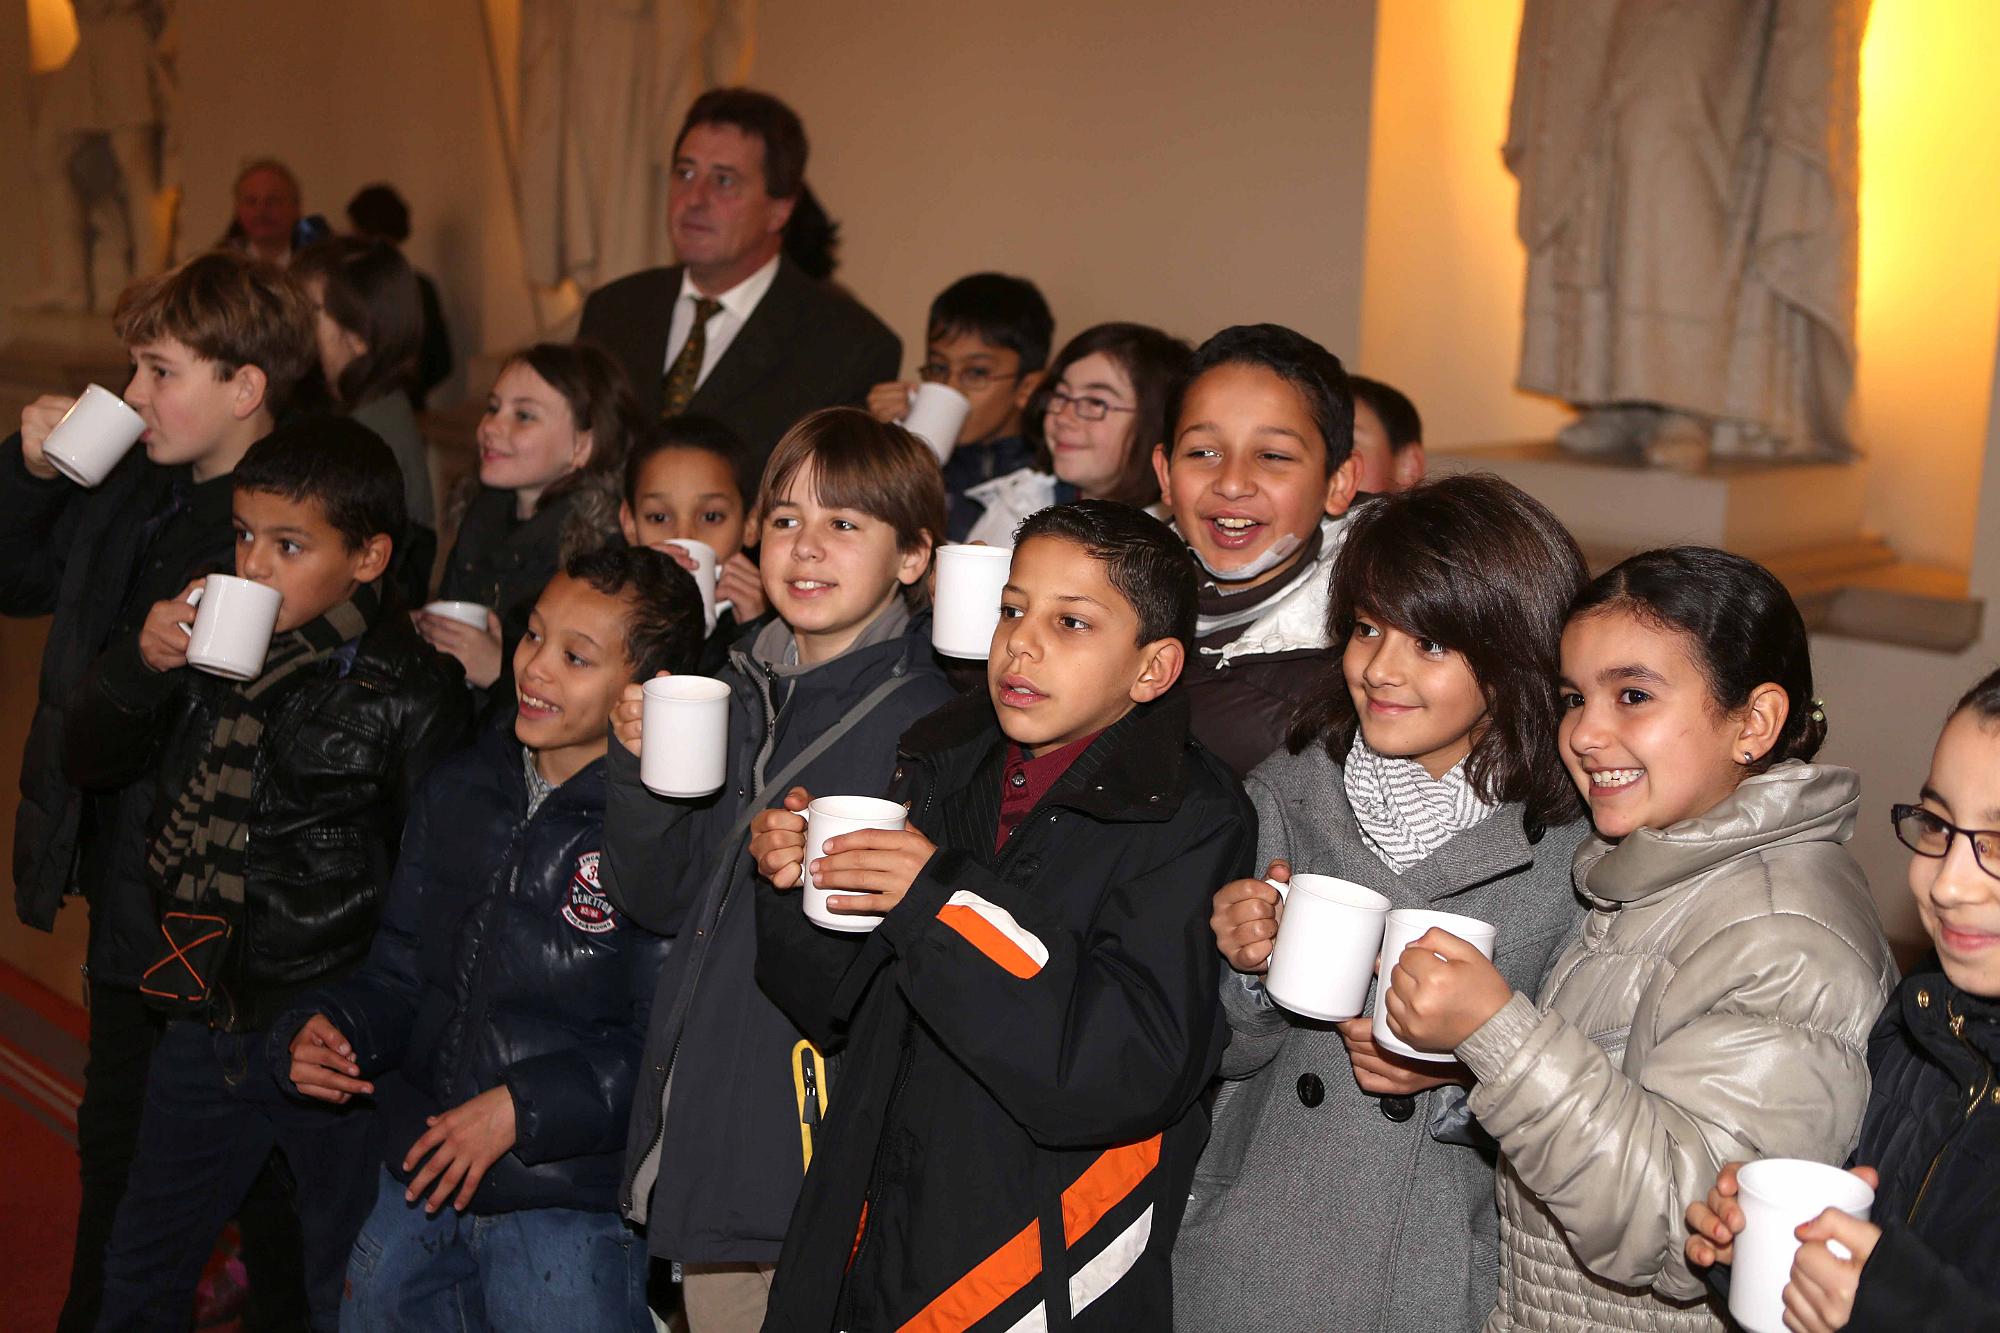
x: 686, y: 689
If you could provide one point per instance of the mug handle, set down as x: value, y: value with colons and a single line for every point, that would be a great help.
x: 193, y: 599
x: 1284, y: 889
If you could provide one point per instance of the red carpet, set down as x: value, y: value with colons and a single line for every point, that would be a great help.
x: 41, y: 1078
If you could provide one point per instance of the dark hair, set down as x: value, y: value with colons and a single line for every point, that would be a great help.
x: 666, y: 628
x: 371, y: 292
x: 600, y: 401
x: 337, y: 464
x: 1000, y: 309
x: 1141, y: 556
x: 771, y: 121
x: 1156, y: 363
x: 812, y: 239
x: 1485, y: 569
x: 229, y: 309
x: 1296, y: 359
x: 1742, y: 627
x: 860, y: 463
x: 378, y: 211
x: 1393, y: 408
x: 1983, y: 698
x: 702, y: 434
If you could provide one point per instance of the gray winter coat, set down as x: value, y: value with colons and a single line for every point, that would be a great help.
x: 1315, y: 1208
x: 1714, y: 1007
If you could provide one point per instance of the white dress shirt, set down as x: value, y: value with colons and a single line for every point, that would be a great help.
x: 723, y: 326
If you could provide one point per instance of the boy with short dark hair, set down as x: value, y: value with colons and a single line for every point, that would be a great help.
x: 1027, y: 1034
x: 219, y: 346
x: 988, y: 337
x: 280, y: 804
x: 505, y: 1001
x: 1259, y: 472
x: 1388, y: 437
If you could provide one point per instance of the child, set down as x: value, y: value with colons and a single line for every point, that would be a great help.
x: 850, y: 510
x: 1716, y: 1001
x: 1388, y: 438
x: 1258, y: 473
x: 1929, y: 1136
x: 988, y: 338
x: 687, y: 480
x: 551, y: 447
x: 1340, y: 1175
x: 1028, y: 1032
x: 219, y: 346
x: 1094, y: 420
x: 504, y: 1002
x: 281, y: 803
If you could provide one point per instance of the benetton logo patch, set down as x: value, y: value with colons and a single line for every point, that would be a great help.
x: 588, y: 909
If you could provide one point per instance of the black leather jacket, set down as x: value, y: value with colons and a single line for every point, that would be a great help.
x: 346, y: 744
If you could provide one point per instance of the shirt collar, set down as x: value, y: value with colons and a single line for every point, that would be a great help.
x: 741, y: 299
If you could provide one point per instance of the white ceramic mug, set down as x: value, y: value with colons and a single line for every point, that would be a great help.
x: 705, y: 574
x: 232, y: 626
x: 1399, y: 931
x: 1779, y: 1195
x: 937, y: 413
x: 465, y: 613
x: 829, y: 817
x: 92, y: 436
x: 966, y: 608
x: 684, y: 736
x: 1326, y: 947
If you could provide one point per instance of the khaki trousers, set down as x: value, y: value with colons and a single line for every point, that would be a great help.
x: 726, y: 1298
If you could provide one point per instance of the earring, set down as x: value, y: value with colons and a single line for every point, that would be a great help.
x: 1746, y: 756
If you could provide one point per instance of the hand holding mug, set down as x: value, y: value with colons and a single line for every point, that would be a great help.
x: 37, y: 420
x: 778, y: 840
x: 1245, y: 919
x: 478, y: 651
x: 1826, y: 1272
x: 1442, y: 991
x: 628, y: 715
x: 1383, y: 1073
x: 738, y: 583
x: 878, y: 864
x: 1715, y: 1222
x: 163, y: 637
x: 680, y: 555
x: 891, y: 401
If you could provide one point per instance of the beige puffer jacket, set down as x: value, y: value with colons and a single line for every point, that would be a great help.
x: 1715, y: 1007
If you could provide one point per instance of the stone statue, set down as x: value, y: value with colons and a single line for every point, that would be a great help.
x: 1689, y: 180
x: 117, y: 84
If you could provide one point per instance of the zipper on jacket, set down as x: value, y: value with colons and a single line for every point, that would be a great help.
x: 1979, y: 1097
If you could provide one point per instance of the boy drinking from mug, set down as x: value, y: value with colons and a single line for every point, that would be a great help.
x: 280, y: 805
x: 219, y: 345
x: 1026, y: 1035
x: 504, y: 1003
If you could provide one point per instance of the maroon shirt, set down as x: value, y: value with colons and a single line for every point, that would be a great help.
x: 1026, y: 780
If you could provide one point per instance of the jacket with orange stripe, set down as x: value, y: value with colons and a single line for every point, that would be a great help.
x: 1024, y: 1041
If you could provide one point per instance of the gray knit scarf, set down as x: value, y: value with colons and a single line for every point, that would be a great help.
x: 1405, y: 814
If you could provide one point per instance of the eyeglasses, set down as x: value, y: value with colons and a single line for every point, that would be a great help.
x: 1086, y: 408
x: 1928, y: 834
x: 970, y: 379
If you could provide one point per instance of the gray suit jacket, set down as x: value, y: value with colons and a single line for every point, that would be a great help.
x: 1313, y: 1211
x: 806, y: 346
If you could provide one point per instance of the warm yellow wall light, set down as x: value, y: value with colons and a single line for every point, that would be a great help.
x: 51, y: 35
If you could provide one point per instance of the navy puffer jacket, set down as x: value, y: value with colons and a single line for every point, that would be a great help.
x: 498, y: 962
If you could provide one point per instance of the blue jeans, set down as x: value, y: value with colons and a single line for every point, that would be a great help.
x: 213, y: 1114
x: 536, y: 1270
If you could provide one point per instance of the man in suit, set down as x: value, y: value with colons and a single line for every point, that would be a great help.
x: 736, y: 331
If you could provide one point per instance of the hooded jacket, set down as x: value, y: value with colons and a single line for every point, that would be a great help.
x: 1715, y: 1007
x: 1933, y: 1133
x: 499, y: 962
x: 1025, y: 1040
x: 716, y: 1151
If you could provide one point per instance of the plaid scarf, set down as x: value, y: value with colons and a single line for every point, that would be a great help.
x: 200, y: 855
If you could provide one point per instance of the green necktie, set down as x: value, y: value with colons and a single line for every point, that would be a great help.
x: 677, y: 385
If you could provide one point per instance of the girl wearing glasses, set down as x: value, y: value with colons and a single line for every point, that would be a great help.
x: 1716, y: 1002
x: 1094, y: 421
x: 1931, y: 1136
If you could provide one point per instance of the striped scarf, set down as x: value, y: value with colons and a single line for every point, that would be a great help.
x: 1405, y: 814
x: 200, y: 855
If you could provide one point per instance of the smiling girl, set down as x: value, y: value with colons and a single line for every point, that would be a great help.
x: 551, y: 449
x: 1340, y: 1177
x: 1716, y: 1003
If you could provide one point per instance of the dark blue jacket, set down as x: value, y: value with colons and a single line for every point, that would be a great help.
x: 498, y: 961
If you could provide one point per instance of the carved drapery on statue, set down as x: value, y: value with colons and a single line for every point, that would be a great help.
x: 1689, y: 175
x: 604, y: 84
